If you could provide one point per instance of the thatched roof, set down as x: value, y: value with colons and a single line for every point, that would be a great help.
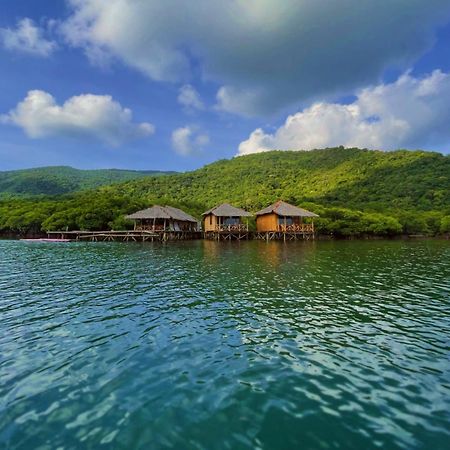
x: 162, y: 212
x: 227, y: 210
x: 285, y: 209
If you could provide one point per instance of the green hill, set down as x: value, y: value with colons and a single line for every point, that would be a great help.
x: 63, y: 180
x: 362, y: 179
x: 356, y: 192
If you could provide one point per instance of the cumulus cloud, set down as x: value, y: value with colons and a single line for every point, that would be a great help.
x: 27, y: 38
x: 265, y: 54
x: 189, y: 98
x: 411, y: 112
x: 188, y: 141
x: 88, y: 115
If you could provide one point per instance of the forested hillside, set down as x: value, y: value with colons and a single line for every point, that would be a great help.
x: 353, y: 178
x: 62, y: 180
x: 356, y: 192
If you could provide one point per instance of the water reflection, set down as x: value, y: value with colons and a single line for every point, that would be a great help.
x: 277, y: 254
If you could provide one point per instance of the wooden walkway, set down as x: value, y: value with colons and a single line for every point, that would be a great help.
x: 223, y: 234
x: 125, y: 235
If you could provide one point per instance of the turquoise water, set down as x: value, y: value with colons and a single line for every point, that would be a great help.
x: 205, y: 345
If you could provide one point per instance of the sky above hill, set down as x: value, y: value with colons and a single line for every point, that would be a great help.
x: 172, y: 84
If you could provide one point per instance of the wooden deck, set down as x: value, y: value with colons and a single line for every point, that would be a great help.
x: 125, y: 235
x: 294, y: 232
x: 228, y: 233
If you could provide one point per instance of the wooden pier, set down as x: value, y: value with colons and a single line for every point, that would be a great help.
x: 223, y: 233
x: 125, y: 235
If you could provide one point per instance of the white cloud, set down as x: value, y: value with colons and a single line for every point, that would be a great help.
x: 265, y: 54
x: 27, y: 38
x: 89, y: 115
x: 188, y: 141
x: 190, y: 98
x: 239, y: 101
x: 410, y: 112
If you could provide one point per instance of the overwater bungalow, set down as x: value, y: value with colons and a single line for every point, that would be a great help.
x: 165, y: 221
x: 225, y: 222
x: 284, y: 221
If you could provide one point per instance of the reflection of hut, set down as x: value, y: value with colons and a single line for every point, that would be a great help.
x: 211, y: 251
x: 284, y: 221
x: 166, y: 221
x: 225, y: 222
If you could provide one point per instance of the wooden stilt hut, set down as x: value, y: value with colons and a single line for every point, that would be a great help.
x: 225, y: 222
x: 167, y: 222
x: 284, y: 221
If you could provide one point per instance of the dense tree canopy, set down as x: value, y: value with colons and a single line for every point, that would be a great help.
x: 63, y: 180
x: 355, y: 192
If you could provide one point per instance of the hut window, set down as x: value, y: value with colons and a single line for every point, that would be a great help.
x: 231, y: 221
x: 210, y: 219
x: 285, y: 220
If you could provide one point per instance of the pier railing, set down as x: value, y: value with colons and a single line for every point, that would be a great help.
x: 238, y: 227
x: 149, y: 228
x: 157, y: 228
x: 298, y: 228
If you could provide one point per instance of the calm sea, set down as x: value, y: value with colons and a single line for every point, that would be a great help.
x: 206, y: 345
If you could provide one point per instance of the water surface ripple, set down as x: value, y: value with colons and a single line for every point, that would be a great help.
x: 204, y: 345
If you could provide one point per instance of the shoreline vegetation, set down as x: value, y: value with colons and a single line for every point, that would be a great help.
x: 319, y: 237
x: 357, y: 193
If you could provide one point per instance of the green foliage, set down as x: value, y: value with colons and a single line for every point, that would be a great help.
x: 120, y: 223
x: 345, y: 222
x: 445, y: 224
x: 355, y: 192
x: 63, y: 180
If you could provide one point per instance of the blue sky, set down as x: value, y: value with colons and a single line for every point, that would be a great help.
x: 172, y: 85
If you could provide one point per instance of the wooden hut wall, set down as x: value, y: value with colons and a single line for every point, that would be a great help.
x: 267, y: 222
x: 210, y: 222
